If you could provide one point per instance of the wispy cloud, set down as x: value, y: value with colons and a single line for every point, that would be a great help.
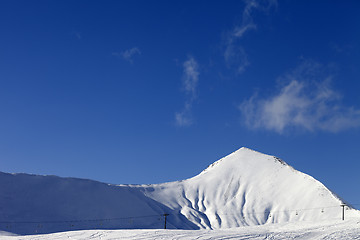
x: 190, y: 77
x: 77, y: 35
x: 347, y: 48
x: 128, y: 54
x: 234, y: 53
x: 237, y: 57
x: 306, y: 101
x: 184, y: 118
x: 190, y: 80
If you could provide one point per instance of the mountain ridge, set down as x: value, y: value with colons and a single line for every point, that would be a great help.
x: 244, y: 188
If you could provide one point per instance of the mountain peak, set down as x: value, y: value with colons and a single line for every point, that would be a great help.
x: 243, y: 157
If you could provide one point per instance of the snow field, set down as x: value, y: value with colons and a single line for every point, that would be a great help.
x: 344, y: 230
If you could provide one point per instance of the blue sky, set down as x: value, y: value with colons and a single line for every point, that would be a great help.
x: 155, y: 91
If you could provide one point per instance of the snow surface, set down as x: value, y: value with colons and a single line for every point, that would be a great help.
x: 344, y: 230
x: 245, y: 188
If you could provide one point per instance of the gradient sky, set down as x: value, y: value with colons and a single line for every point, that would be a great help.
x: 155, y: 91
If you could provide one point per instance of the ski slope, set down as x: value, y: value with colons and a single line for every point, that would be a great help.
x: 245, y: 188
x: 344, y: 230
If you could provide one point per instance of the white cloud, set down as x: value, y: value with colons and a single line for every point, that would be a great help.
x: 184, y: 117
x: 307, y: 102
x: 128, y: 54
x: 190, y: 81
x: 234, y: 54
x: 191, y: 76
x: 247, y: 19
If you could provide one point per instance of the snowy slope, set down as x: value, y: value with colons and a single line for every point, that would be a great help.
x: 244, y: 188
x: 344, y: 230
x: 31, y: 204
x: 249, y: 188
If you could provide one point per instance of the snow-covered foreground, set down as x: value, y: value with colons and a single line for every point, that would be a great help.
x: 349, y: 229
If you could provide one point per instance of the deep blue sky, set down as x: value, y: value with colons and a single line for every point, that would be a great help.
x: 155, y: 91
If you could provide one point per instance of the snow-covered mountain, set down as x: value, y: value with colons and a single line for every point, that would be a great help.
x: 243, y: 188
